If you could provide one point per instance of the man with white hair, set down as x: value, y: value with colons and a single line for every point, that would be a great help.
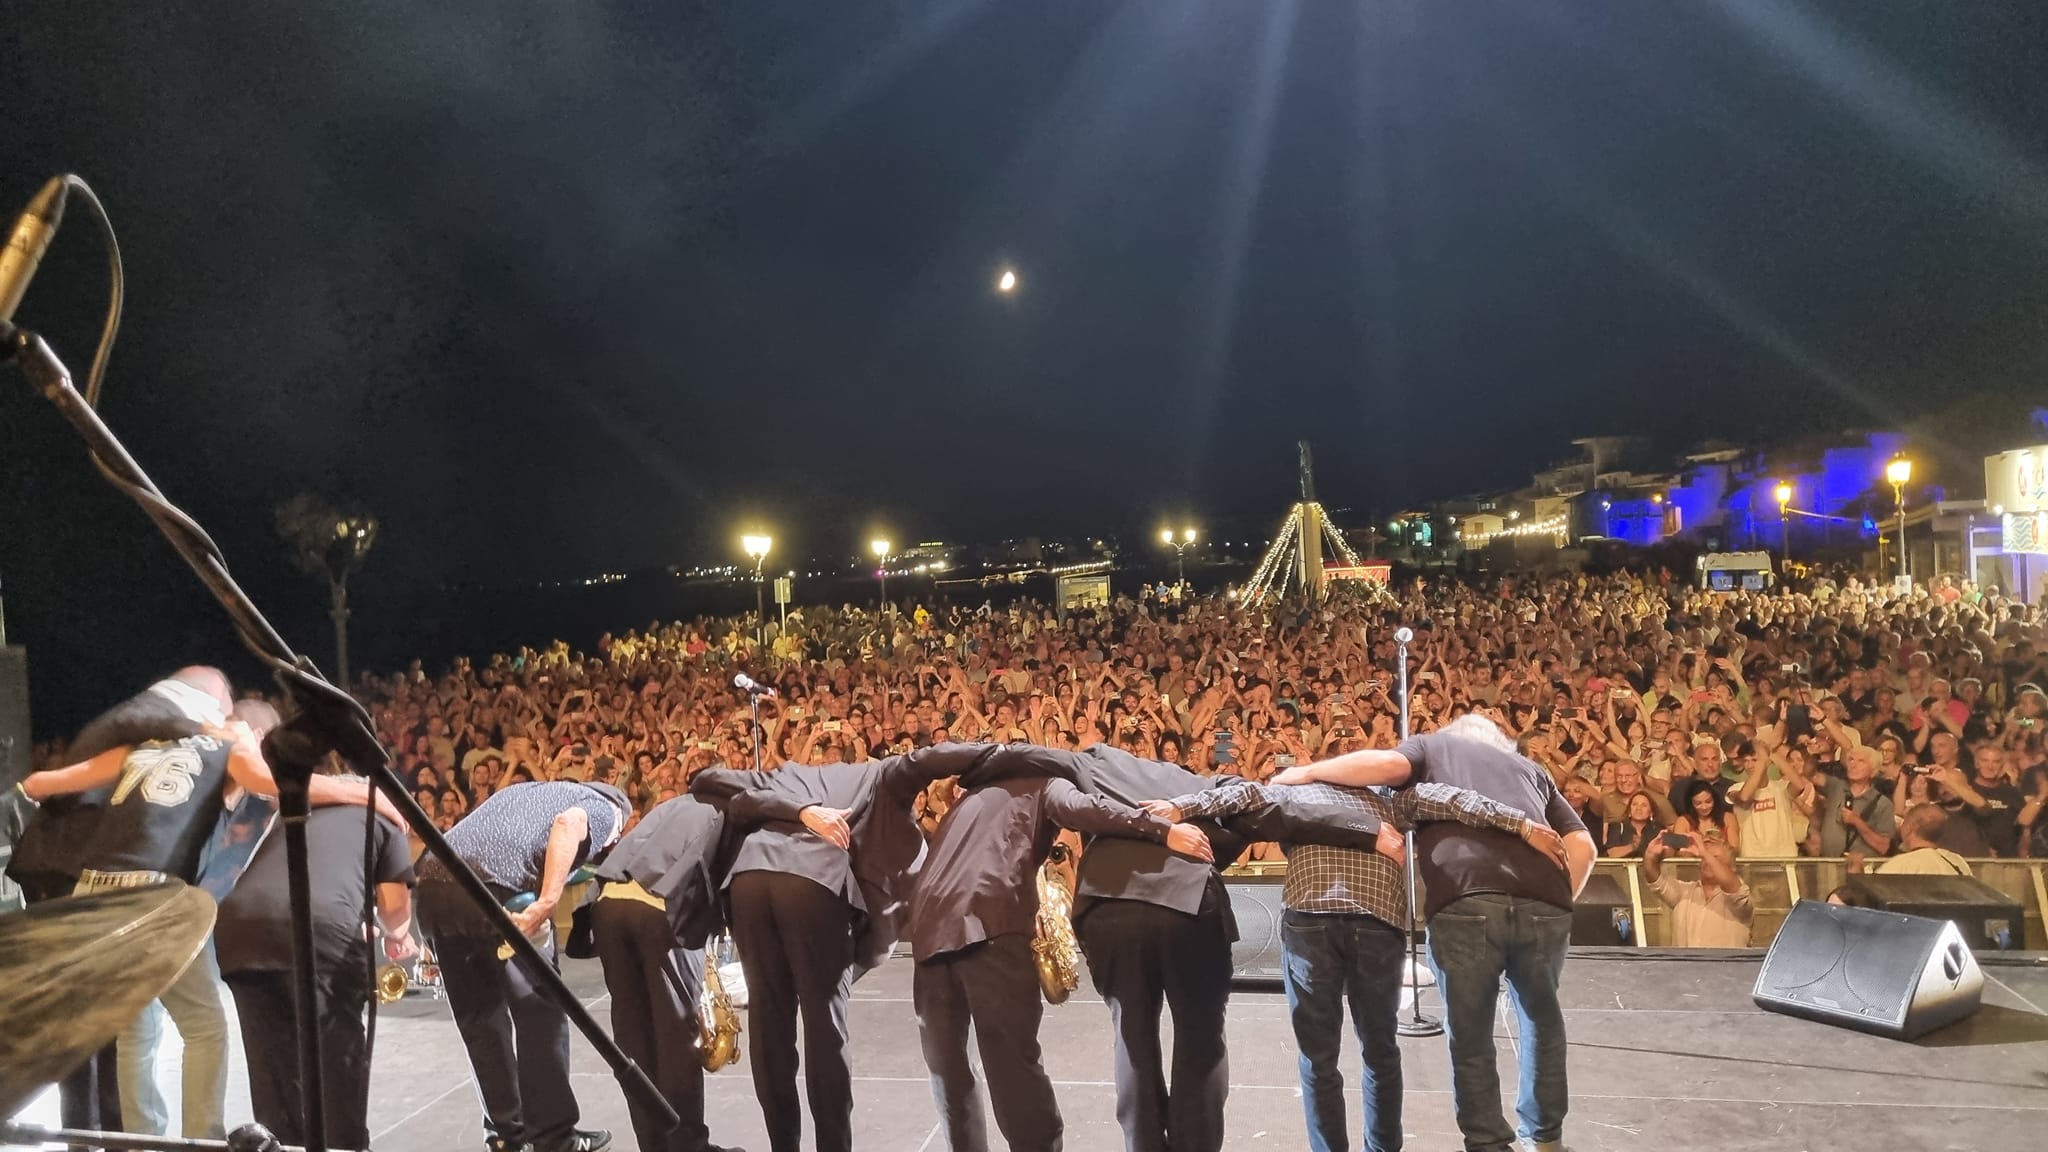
x: 1497, y: 907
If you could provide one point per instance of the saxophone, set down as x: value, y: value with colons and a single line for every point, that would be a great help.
x: 391, y: 984
x: 1059, y: 957
x: 720, y: 1044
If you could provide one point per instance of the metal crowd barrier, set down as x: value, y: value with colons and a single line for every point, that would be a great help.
x: 1776, y: 883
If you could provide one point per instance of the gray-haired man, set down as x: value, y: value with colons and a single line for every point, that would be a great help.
x: 1497, y: 907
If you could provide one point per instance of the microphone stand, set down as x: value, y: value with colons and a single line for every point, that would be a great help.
x: 326, y: 719
x: 1416, y: 1024
x: 754, y: 703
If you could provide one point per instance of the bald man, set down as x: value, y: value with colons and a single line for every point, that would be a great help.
x: 164, y: 799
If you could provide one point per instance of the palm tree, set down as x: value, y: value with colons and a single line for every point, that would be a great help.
x: 331, y: 541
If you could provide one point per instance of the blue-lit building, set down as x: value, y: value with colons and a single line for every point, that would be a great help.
x: 1720, y: 496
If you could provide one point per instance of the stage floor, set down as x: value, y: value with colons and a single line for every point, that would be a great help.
x: 1665, y: 1054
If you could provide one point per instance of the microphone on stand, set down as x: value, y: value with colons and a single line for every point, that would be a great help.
x: 1403, y: 635
x: 752, y: 687
x: 25, y: 246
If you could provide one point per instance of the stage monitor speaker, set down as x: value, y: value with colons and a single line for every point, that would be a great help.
x: 1869, y: 969
x: 1990, y: 920
x: 15, y: 744
x: 1255, y: 902
x: 1603, y: 916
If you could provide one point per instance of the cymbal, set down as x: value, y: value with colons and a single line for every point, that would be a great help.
x: 74, y: 973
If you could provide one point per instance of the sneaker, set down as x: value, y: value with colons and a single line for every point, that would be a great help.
x: 1544, y: 1146
x: 497, y: 1145
x: 591, y: 1140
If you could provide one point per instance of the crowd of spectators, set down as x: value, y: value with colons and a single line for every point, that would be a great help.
x: 1808, y: 721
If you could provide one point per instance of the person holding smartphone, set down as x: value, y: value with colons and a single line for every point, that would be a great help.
x: 1711, y: 912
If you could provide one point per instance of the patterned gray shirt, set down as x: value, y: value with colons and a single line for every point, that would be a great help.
x: 1344, y: 880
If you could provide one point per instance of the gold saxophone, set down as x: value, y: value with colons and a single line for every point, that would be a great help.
x: 720, y: 1044
x: 1059, y: 957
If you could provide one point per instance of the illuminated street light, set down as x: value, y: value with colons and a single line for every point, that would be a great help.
x: 1899, y: 472
x: 1007, y: 282
x: 881, y: 550
x: 757, y: 547
x: 1180, y: 547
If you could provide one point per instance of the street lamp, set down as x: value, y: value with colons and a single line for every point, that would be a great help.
x: 1180, y: 548
x: 757, y: 547
x: 881, y: 550
x: 1784, y: 494
x: 1899, y: 471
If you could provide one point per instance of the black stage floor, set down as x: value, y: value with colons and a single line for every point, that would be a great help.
x: 1665, y: 1054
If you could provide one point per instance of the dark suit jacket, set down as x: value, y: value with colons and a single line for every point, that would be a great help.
x: 981, y: 881
x: 676, y: 853
x: 878, y: 872
x: 1119, y: 868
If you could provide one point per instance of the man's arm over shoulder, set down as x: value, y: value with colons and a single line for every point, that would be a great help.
x: 1329, y: 815
x: 717, y: 786
x: 98, y: 772
x: 1427, y: 802
x: 1365, y: 768
x: 914, y: 770
x: 1071, y: 808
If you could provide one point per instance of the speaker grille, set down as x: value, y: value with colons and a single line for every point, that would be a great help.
x: 1866, y: 968
x: 1256, y: 904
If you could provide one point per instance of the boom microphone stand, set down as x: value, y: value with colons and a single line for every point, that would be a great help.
x: 326, y: 719
x: 1417, y: 1024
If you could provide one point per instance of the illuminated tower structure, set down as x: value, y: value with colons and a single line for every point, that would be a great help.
x: 1295, y: 558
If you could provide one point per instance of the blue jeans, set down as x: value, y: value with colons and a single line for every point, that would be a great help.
x: 1473, y: 942
x: 197, y: 1006
x: 1327, y: 956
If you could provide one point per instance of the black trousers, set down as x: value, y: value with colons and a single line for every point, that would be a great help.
x: 992, y: 986
x: 89, y: 1098
x: 1143, y: 958
x: 264, y: 1003
x: 795, y: 939
x: 655, y: 1023
x: 518, y: 1040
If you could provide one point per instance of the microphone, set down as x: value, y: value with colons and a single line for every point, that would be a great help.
x: 751, y: 686
x: 1403, y: 635
x: 30, y: 239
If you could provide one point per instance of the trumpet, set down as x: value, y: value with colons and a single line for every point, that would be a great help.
x: 720, y: 1043
x: 1057, y: 953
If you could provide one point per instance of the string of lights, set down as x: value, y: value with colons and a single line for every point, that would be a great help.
x: 1556, y: 525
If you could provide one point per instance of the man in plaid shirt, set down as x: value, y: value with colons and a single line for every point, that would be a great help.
x: 1496, y: 910
x: 1346, y: 915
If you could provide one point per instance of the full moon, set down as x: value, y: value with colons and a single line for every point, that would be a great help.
x: 1007, y: 282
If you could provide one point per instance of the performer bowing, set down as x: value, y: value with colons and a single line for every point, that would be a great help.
x: 657, y: 906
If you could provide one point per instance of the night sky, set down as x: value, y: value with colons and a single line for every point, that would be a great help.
x: 565, y: 287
